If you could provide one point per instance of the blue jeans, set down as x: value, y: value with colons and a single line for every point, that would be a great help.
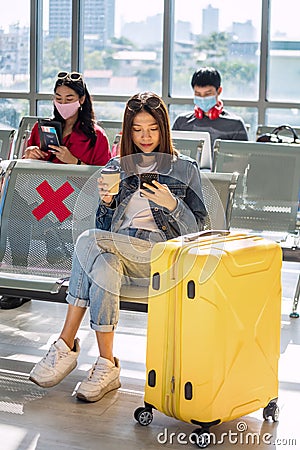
x: 102, y: 262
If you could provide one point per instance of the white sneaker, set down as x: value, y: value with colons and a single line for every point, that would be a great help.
x: 103, y: 377
x: 56, y: 365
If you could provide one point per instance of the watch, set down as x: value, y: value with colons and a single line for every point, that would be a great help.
x: 78, y: 162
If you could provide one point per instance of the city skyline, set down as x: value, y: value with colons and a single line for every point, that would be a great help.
x: 133, y: 10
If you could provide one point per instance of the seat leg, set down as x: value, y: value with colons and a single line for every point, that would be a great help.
x: 294, y: 313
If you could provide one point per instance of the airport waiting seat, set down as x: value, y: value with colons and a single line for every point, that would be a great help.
x: 189, y: 147
x: 111, y: 128
x: 45, y: 207
x: 218, y: 192
x: 267, y: 194
x: 6, y: 143
x: 205, y: 153
x: 23, y: 133
x: 37, y: 231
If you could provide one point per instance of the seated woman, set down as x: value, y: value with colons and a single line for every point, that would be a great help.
x: 119, y: 250
x: 83, y: 142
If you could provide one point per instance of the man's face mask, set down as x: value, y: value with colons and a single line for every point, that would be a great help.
x: 205, y: 103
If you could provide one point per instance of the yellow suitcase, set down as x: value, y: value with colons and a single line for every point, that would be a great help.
x: 213, y: 338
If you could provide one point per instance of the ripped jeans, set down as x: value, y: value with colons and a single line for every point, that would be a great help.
x: 102, y: 262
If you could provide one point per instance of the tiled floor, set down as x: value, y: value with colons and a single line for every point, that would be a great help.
x: 33, y: 418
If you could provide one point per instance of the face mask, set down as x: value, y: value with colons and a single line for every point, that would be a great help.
x: 67, y: 110
x: 205, y: 103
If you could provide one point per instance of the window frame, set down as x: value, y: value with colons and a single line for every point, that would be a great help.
x: 33, y: 96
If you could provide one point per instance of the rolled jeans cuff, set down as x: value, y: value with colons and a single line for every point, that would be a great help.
x: 75, y: 301
x: 103, y: 328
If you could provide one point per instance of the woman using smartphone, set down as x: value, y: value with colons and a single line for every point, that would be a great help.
x: 118, y: 251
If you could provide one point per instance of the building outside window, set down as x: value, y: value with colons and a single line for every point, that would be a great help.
x: 14, y: 62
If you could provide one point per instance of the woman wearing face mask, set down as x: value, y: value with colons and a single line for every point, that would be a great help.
x: 83, y: 141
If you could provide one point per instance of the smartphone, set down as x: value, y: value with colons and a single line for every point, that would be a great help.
x: 148, y: 178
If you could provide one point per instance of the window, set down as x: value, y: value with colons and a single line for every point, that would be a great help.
x: 219, y: 34
x: 54, y: 43
x: 118, y: 45
x: 122, y: 46
x: 14, y: 60
x: 14, y: 46
x: 109, y: 110
x: 284, y: 52
x: 281, y: 116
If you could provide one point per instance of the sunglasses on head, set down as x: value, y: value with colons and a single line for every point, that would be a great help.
x: 135, y: 104
x: 73, y: 76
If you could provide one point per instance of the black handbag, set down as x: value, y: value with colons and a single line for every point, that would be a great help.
x: 275, y: 136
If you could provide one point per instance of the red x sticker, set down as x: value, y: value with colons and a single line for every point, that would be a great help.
x: 53, y: 201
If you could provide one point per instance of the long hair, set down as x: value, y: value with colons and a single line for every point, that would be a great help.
x: 86, y: 115
x: 144, y: 102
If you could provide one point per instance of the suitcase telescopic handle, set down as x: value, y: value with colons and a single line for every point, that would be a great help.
x: 194, y: 236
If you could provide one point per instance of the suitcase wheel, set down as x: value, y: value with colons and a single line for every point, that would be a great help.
x: 201, y: 437
x: 143, y: 416
x: 271, y: 410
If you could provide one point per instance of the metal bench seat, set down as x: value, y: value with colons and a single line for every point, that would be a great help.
x: 6, y: 143
x: 45, y: 207
x: 267, y: 195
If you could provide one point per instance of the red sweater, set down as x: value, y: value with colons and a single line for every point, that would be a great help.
x: 78, y: 144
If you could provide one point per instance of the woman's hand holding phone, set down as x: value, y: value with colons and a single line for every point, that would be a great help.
x: 159, y: 194
x: 63, y: 154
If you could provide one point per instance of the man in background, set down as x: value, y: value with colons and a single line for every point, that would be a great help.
x: 209, y: 114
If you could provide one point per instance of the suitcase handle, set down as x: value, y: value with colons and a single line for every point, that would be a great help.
x: 194, y: 236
